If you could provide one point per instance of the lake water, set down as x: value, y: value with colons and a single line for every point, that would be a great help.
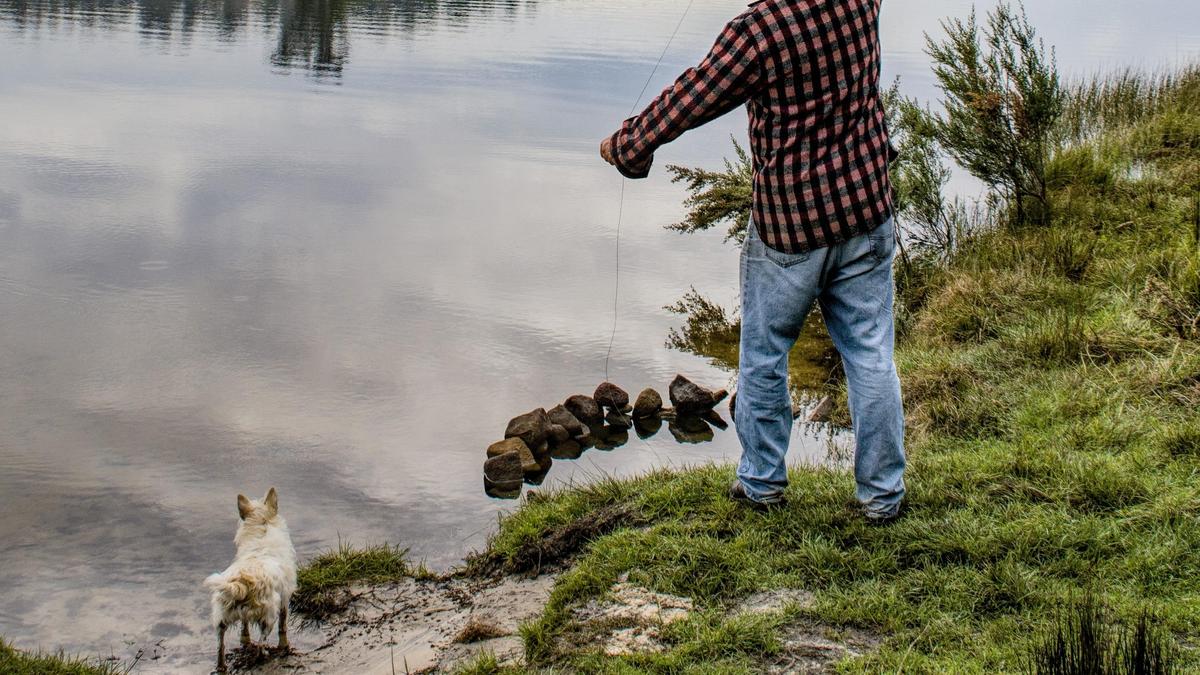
x: 333, y: 246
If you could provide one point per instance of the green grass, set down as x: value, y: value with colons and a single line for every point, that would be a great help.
x: 1051, y: 378
x: 322, y: 581
x: 485, y: 664
x: 14, y: 662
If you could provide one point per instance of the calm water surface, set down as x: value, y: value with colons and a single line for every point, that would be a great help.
x: 332, y: 246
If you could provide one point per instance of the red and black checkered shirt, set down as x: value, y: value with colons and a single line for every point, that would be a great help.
x: 808, y: 71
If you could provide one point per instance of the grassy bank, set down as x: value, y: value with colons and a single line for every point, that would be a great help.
x: 1050, y: 356
x: 324, y: 583
x: 14, y: 662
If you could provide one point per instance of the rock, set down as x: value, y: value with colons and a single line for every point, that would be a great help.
x: 618, y: 420
x: 609, y: 438
x: 667, y: 414
x: 647, y: 427
x: 510, y: 490
x: 529, y: 462
x: 649, y: 402
x: 822, y: 411
x: 689, y: 397
x: 718, y: 396
x: 506, y: 446
x: 530, y: 427
x: 714, y: 418
x: 536, y: 477
x: 561, y: 416
x: 692, y: 430
x: 557, y: 433
x: 505, y: 469
x: 585, y: 409
x: 569, y: 449
x: 611, y: 396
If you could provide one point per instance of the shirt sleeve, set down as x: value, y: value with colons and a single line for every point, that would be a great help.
x: 725, y: 79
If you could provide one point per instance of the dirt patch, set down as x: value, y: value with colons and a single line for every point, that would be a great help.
x: 629, y: 620
x: 765, y: 602
x: 811, y: 647
x: 415, y: 626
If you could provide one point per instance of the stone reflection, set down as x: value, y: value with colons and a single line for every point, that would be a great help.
x: 311, y: 35
x: 601, y: 422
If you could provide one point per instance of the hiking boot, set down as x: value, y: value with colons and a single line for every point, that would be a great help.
x: 737, y: 492
x: 881, y: 519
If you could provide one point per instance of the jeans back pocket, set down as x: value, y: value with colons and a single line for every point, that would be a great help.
x: 883, y: 242
x: 784, y: 259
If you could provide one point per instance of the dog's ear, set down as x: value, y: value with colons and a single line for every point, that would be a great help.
x: 272, y: 500
x: 244, y: 507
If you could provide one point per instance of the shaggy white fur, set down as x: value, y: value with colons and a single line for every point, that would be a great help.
x: 257, y: 586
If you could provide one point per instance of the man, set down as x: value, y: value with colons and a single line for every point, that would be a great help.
x: 821, y: 226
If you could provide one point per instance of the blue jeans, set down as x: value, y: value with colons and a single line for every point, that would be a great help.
x: 853, y: 283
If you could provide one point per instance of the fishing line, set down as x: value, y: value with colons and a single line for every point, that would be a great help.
x: 621, y: 202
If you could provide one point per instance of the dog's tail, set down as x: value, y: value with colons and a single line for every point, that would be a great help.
x: 231, y: 589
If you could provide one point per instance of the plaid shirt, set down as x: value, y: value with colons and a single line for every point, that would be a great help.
x: 808, y: 71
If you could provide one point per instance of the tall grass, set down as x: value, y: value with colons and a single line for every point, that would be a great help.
x: 1085, y: 642
x: 14, y: 662
x: 1108, y: 102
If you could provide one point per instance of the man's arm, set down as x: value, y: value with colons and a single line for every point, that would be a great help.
x: 728, y: 76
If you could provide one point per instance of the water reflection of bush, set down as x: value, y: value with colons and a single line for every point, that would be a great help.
x: 708, y: 330
x: 313, y: 35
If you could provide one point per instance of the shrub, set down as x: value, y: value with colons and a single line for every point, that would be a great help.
x: 1003, y: 101
x: 717, y: 196
x: 931, y: 225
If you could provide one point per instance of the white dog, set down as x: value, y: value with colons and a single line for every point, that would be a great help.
x: 257, y: 586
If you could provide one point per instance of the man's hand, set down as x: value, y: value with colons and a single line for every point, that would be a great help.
x: 606, y: 151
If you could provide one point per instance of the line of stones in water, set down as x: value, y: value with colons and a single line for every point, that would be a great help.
x: 533, y: 441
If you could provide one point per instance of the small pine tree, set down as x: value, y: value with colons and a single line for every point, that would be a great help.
x: 1003, y: 102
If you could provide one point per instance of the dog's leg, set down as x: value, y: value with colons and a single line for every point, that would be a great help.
x: 283, y: 641
x: 245, y: 633
x: 221, y: 649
